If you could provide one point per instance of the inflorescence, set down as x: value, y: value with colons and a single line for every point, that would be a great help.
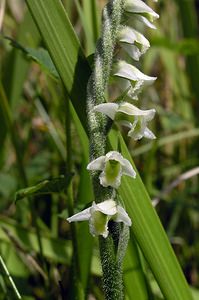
x: 108, y: 168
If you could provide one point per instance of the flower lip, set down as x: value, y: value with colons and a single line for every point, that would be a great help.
x: 108, y: 109
x: 107, y: 207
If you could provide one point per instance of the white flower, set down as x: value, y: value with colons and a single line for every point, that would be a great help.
x: 142, y: 11
x: 129, y: 115
x: 113, y: 166
x: 100, y: 214
x: 133, y: 42
x: 136, y: 78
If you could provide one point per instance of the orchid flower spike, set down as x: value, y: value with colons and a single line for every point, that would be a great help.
x: 135, y: 77
x: 130, y: 116
x: 100, y: 214
x: 141, y: 11
x: 113, y: 166
x: 133, y: 42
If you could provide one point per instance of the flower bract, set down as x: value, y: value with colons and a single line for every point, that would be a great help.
x: 113, y: 166
x: 100, y: 214
x: 130, y: 116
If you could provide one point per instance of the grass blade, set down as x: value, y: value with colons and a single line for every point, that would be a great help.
x: 64, y: 48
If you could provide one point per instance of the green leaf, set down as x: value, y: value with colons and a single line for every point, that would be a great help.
x: 90, y: 22
x: 58, y: 250
x: 55, y: 185
x: 65, y: 50
x: 151, y: 236
x: 40, y: 56
x: 16, y: 70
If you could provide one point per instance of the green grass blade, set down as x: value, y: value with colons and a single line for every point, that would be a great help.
x: 64, y: 48
x: 92, y: 23
x: 15, y: 74
x: 151, y: 236
x: 188, y: 14
x: 12, y: 284
x: 55, y: 185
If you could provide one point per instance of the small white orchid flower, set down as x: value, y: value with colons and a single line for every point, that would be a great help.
x: 133, y: 42
x: 136, y: 78
x: 100, y: 214
x: 130, y: 116
x: 142, y: 11
x: 113, y: 166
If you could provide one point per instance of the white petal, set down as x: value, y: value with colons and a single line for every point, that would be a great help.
x: 125, y: 70
x: 138, y: 6
x: 81, y: 216
x: 145, y: 21
x: 149, y: 134
x: 149, y: 114
x: 129, y: 109
x: 97, y: 164
x: 107, y: 207
x: 109, y: 109
x: 114, y: 155
x: 122, y: 216
x: 132, y: 50
x: 132, y: 110
x: 127, y: 168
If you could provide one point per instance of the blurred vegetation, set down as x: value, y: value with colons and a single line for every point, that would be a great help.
x: 35, y: 240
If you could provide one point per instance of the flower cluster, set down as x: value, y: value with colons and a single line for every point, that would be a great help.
x: 112, y: 165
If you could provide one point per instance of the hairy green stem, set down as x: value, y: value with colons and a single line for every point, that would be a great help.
x: 97, y: 87
x: 96, y: 91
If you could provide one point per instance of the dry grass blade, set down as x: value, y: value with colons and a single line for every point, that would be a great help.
x: 2, y: 12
